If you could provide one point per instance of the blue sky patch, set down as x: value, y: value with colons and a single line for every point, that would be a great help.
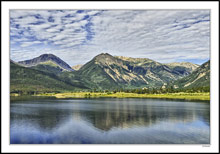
x: 85, y: 17
x: 80, y: 11
x: 50, y: 19
x: 37, y: 23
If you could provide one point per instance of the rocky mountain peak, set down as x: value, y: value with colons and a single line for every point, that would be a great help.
x: 45, y: 58
x: 106, y: 59
x: 103, y: 55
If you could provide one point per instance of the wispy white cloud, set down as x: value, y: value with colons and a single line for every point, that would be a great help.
x: 78, y: 35
x: 26, y: 44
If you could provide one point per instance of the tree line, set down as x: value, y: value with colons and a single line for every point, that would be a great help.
x: 155, y: 90
x: 136, y: 90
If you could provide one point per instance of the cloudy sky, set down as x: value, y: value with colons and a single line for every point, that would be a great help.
x: 76, y: 36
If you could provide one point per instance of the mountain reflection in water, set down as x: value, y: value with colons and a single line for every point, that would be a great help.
x: 109, y: 120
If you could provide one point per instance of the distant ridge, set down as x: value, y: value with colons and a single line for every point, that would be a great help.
x: 46, y: 58
x: 189, y: 65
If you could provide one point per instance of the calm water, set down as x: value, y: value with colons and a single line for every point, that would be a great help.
x: 109, y: 121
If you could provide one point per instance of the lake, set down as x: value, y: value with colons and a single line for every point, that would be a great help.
x: 109, y: 121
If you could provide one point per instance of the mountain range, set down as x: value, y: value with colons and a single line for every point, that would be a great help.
x: 50, y: 73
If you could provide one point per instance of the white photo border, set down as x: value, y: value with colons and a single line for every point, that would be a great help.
x: 66, y: 148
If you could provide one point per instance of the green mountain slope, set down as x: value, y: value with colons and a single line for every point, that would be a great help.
x: 155, y: 73
x: 108, y: 72
x: 198, y: 78
x: 48, y: 66
x: 95, y: 76
x: 25, y: 80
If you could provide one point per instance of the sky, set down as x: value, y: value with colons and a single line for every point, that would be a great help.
x: 76, y: 36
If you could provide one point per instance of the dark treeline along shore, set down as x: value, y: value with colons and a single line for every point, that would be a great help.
x: 106, y: 73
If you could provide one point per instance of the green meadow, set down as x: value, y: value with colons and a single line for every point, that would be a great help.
x: 180, y: 95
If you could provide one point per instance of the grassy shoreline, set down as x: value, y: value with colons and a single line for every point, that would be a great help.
x: 180, y: 95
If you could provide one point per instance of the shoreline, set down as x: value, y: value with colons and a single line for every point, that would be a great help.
x: 181, y: 95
